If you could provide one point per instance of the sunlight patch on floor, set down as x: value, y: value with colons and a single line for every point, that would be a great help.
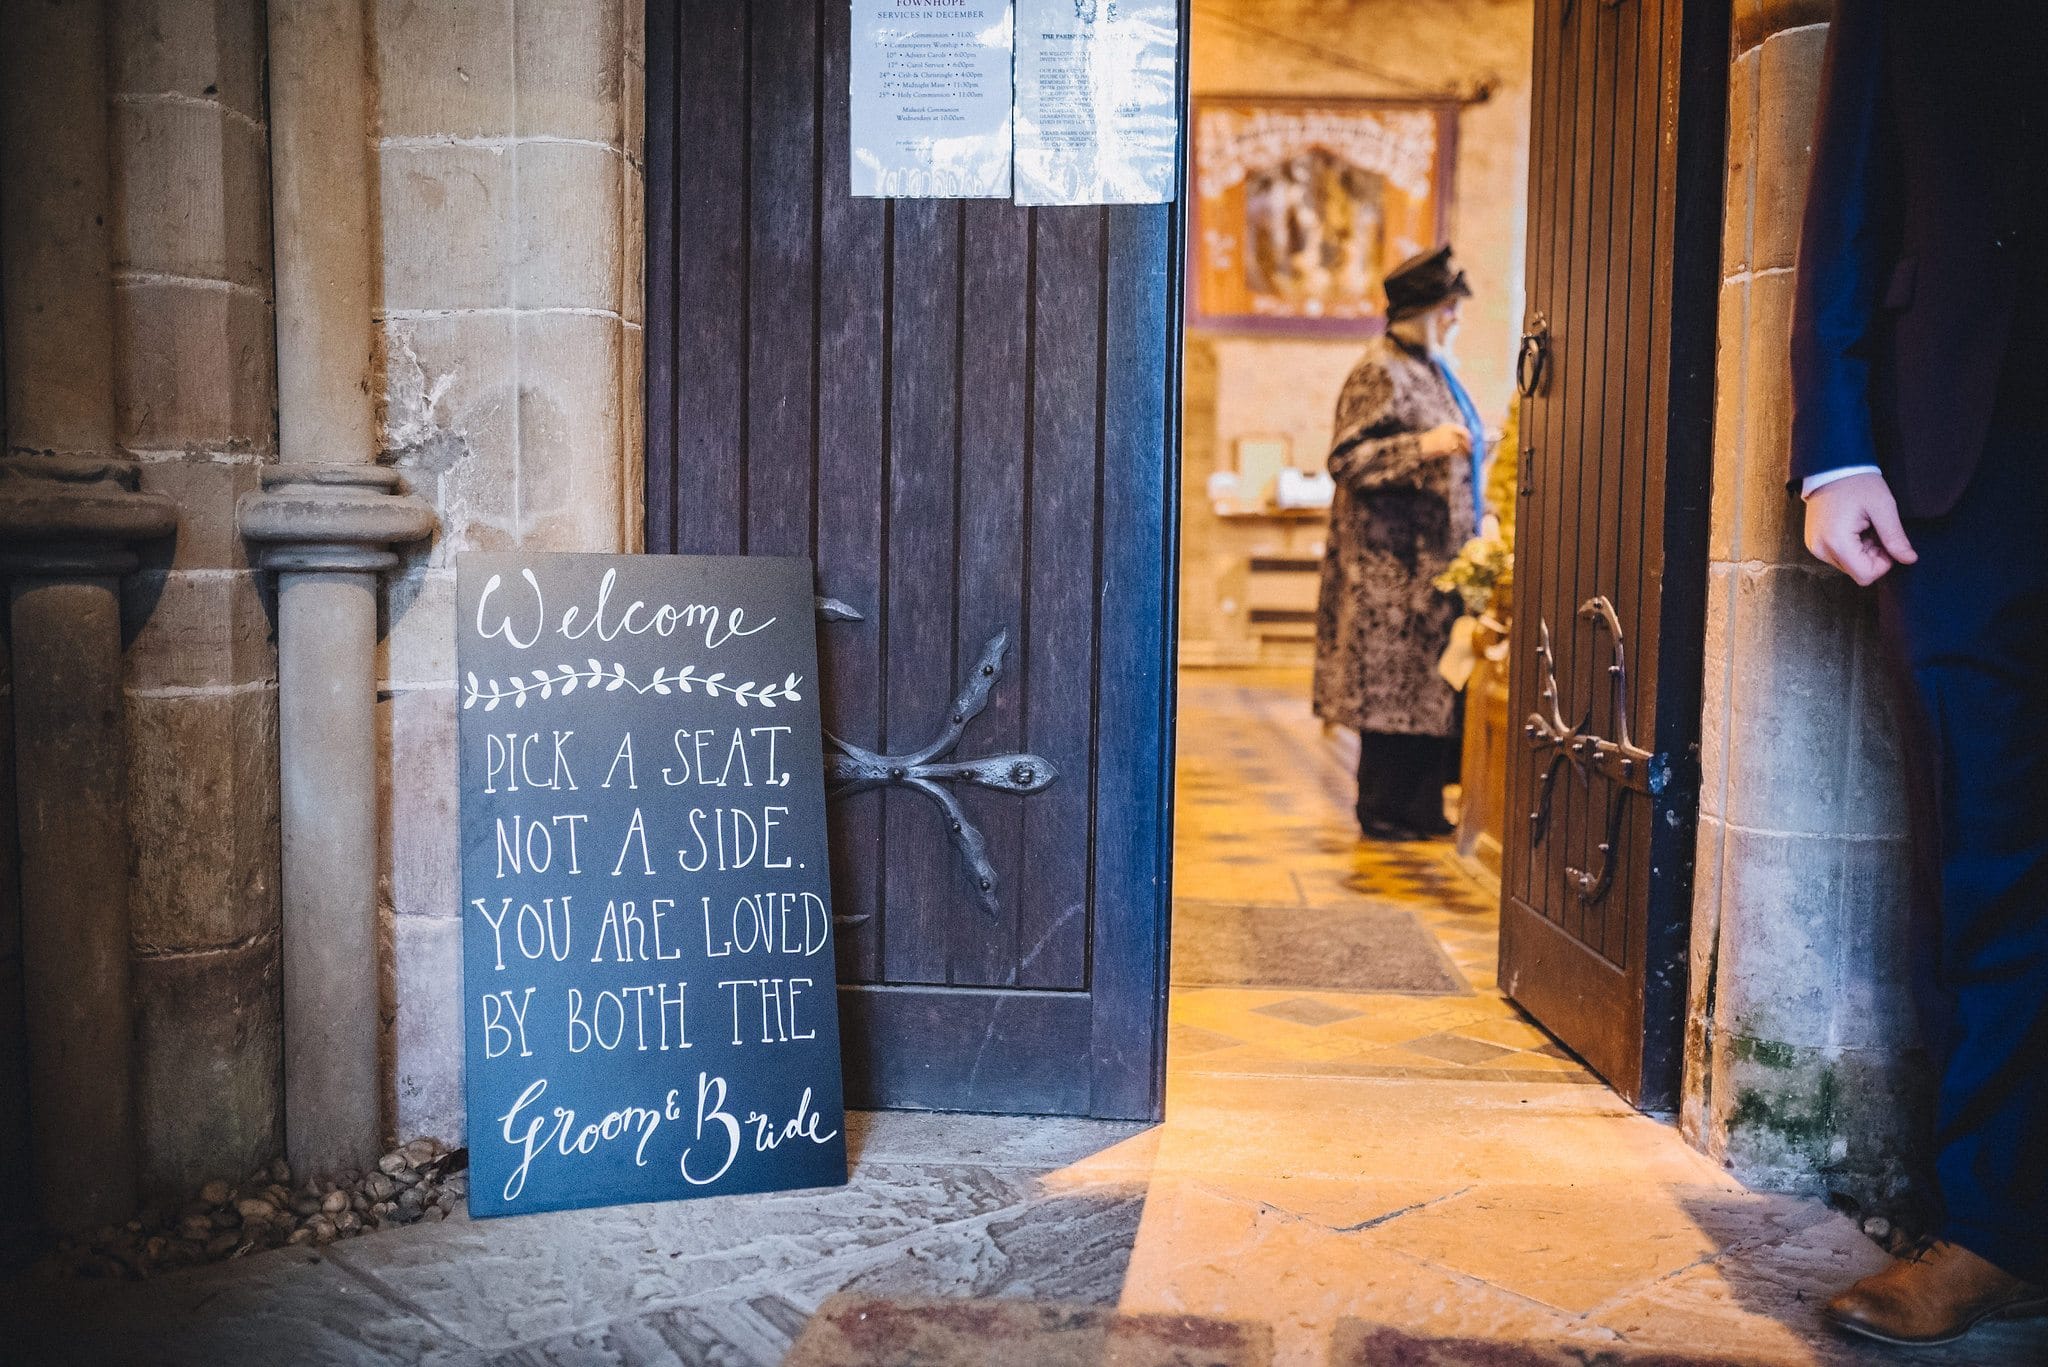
x: 1436, y: 1163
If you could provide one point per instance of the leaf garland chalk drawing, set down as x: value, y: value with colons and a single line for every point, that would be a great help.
x: 565, y: 678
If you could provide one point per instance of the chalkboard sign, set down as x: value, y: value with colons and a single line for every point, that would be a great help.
x: 649, y: 1002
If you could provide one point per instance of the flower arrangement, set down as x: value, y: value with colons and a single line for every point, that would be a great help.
x: 1483, y: 573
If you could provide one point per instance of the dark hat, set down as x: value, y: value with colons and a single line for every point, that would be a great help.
x: 1422, y: 282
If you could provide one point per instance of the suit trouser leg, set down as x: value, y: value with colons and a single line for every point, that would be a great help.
x: 1967, y: 630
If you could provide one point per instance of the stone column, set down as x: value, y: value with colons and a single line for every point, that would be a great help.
x: 66, y: 527
x: 325, y: 520
x: 195, y: 405
x: 326, y: 530
x: 1801, y: 1071
x: 69, y: 513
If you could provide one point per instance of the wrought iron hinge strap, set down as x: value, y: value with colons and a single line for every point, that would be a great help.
x: 851, y: 769
x: 1624, y: 764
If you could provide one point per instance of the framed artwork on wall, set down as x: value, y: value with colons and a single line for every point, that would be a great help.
x: 1301, y: 206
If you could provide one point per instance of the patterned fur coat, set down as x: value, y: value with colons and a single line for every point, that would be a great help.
x: 1398, y: 519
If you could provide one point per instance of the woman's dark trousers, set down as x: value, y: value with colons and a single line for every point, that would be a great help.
x: 1401, y: 780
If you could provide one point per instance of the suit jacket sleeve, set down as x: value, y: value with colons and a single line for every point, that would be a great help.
x: 1846, y: 245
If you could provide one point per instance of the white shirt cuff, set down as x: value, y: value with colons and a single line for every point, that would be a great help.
x: 1827, y: 477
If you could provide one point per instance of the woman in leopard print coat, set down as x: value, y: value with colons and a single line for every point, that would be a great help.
x: 1404, y: 505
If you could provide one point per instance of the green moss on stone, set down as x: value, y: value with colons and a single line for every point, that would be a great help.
x: 1808, y: 1118
x: 1770, y: 1053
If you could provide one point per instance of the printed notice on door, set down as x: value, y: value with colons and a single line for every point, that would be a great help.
x: 649, y: 1002
x: 931, y: 99
x: 1096, y: 101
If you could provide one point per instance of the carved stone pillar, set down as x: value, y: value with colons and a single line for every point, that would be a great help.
x: 69, y: 515
x: 325, y: 521
x: 67, y: 527
x: 326, y: 530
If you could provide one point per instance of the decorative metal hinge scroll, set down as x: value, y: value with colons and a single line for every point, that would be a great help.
x: 1624, y: 764
x: 851, y: 769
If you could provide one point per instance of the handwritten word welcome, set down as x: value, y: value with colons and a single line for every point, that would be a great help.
x: 718, y: 623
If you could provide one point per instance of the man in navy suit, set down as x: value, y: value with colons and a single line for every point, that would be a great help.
x: 1920, y: 443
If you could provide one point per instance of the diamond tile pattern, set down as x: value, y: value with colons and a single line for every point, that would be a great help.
x: 1308, y: 1011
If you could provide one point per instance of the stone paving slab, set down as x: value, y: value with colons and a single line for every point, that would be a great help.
x: 500, y: 1283
x: 286, y: 1306
x: 727, y: 1280
x: 1039, y: 1143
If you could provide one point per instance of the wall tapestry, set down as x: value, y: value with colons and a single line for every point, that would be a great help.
x: 1302, y: 206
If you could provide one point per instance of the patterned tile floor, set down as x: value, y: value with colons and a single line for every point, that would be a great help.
x: 1264, y: 816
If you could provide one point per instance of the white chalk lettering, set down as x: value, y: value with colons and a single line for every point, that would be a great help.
x: 494, y: 1026
x: 624, y: 756
x: 636, y: 830
x: 711, y: 1110
x: 720, y: 624
x: 561, y: 1132
x: 504, y: 627
x: 793, y: 923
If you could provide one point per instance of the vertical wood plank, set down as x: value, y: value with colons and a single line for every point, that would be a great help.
x: 710, y: 236
x: 925, y: 886
x: 1599, y: 440
x: 1643, y: 36
x: 1553, y: 494
x: 1534, y: 478
x: 1133, y: 708
x: 995, y: 425
x: 852, y: 457
x: 660, y: 277
x: 1059, y: 636
x: 782, y: 260
x: 1568, y: 830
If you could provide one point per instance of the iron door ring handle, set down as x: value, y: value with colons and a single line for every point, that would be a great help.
x: 1532, y: 362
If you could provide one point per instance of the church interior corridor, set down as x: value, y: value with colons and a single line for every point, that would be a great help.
x: 1268, y: 856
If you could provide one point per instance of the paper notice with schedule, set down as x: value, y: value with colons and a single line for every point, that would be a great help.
x: 1046, y: 101
x: 930, y: 99
x: 1097, y: 101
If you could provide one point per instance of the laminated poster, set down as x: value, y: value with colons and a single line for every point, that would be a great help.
x: 1096, y: 101
x: 931, y: 99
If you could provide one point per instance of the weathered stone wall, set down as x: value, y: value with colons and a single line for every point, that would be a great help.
x: 195, y: 391
x: 511, y: 208
x: 1801, y: 1069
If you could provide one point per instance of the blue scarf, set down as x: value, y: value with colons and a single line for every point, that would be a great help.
x: 1470, y: 414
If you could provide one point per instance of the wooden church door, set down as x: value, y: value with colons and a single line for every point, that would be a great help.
x: 1616, y: 373
x: 965, y: 413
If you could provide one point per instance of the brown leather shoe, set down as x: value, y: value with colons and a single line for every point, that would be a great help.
x: 1935, y: 1296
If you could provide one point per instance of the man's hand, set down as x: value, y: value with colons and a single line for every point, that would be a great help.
x: 1853, y: 524
x: 1450, y: 439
